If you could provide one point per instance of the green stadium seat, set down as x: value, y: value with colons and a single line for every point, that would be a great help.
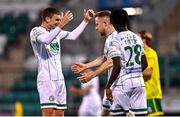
x: 28, y: 75
x: 7, y: 98
x: 32, y: 109
x: 11, y: 38
x: 174, y: 64
x: 162, y: 64
x: 25, y: 85
x: 7, y: 108
x: 21, y: 23
x: 26, y: 96
x: 174, y: 60
x: 174, y: 81
x: 8, y: 18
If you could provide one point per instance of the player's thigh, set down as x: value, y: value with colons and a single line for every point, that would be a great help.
x: 138, y: 101
x: 48, y: 112
x: 59, y: 112
x: 121, y: 103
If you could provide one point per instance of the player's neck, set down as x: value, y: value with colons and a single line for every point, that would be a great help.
x: 44, y: 25
x: 110, y: 31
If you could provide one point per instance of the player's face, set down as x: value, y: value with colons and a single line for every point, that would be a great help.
x: 100, y: 25
x: 54, y: 21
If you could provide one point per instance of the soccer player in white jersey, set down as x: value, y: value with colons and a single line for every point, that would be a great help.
x: 106, y: 29
x: 129, y: 60
x: 45, y: 40
x: 91, y: 102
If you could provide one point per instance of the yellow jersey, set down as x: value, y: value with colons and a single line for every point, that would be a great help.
x: 153, y: 86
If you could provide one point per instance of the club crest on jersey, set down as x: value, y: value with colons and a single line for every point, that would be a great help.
x: 54, y: 47
x: 51, y: 98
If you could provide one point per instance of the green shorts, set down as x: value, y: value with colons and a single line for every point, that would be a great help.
x: 154, y: 107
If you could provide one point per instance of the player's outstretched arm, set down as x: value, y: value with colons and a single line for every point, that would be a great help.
x: 88, y: 15
x: 103, y: 67
x: 87, y: 76
x: 79, y: 67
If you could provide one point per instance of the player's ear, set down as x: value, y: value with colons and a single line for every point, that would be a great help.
x: 47, y: 19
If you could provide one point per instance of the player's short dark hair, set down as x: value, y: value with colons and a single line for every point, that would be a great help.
x: 147, y: 36
x: 49, y: 12
x: 103, y: 13
x: 119, y: 18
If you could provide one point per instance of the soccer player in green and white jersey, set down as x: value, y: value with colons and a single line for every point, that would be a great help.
x: 45, y: 40
x: 129, y: 60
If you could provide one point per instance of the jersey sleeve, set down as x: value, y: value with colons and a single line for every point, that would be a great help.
x: 45, y: 37
x: 63, y: 35
x: 114, y: 50
x: 74, y: 34
x: 35, y: 33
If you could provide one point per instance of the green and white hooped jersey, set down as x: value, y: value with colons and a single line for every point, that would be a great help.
x: 129, y: 47
x: 48, y: 55
x: 47, y: 49
x: 106, y: 48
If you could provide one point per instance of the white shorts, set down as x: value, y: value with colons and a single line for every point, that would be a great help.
x: 129, y: 100
x: 52, y: 94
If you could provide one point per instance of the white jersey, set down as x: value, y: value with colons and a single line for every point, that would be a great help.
x: 47, y: 49
x: 129, y: 47
x: 91, y: 102
x: 106, y: 48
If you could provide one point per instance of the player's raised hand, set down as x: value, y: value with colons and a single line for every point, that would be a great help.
x: 78, y: 67
x: 88, y: 14
x: 65, y: 18
x: 86, y: 76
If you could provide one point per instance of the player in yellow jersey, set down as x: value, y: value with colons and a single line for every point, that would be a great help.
x: 152, y: 77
